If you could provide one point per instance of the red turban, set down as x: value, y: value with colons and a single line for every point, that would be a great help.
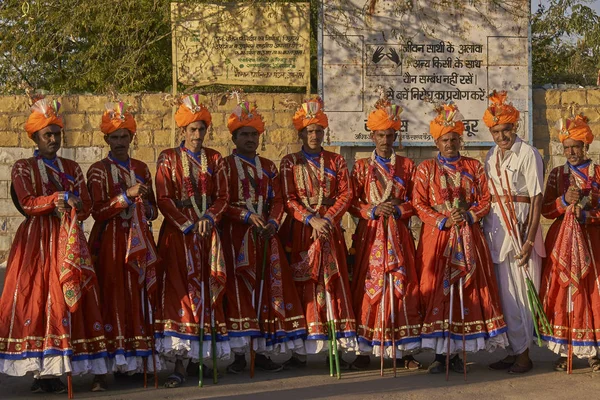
x: 310, y: 113
x: 191, y: 111
x: 115, y: 117
x: 43, y: 113
x: 447, y: 120
x: 386, y: 116
x: 498, y: 112
x: 244, y: 116
x: 576, y: 128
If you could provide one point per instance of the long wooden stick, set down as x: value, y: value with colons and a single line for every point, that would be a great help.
x: 570, y: 333
x: 382, y: 306
x: 260, y: 293
x: 201, y: 336
x: 449, y: 330
x: 537, y: 312
x: 393, y: 321
x: 462, y: 316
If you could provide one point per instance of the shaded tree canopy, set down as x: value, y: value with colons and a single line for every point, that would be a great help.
x: 85, y: 46
x: 565, y: 43
x: 78, y: 46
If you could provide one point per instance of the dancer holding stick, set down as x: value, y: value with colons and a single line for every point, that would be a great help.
x: 264, y: 313
x: 570, y: 283
x: 317, y: 193
x: 451, y: 196
x: 192, y: 194
x: 384, y: 247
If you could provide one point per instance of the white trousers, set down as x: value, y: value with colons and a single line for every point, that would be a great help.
x: 513, y: 297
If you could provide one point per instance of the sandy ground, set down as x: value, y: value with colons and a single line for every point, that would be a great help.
x: 314, y: 382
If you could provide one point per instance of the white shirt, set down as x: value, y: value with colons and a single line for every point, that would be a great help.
x: 525, y: 170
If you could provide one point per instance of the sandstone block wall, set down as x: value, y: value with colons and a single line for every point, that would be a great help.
x: 84, y: 142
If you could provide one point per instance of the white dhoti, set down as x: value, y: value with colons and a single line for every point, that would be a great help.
x: 513, y: 297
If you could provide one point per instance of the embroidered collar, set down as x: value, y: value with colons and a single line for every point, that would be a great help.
x: 312, y: 156
x: 247, y: 159
x: 447, y: 160
x: 124, y: 164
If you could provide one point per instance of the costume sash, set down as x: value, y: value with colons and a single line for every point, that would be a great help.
x: 459, y: 257
x: 77, y: 273
x: 571, y: 254
x: 218, y: 273
x: 248, y: 266
x: 387, y: 256
x: 323, y: 267
x: 141, y: 254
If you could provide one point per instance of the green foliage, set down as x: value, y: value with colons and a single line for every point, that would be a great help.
x: 566, y: 43
x: 75, y: 46
x: 85, y: 46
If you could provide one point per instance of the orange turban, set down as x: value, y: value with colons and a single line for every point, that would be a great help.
x: 244, y: 116
x: 310, y: 113
x: 115, y: 117
x: 43, y: 113
x: 191, y: 111
x: 449, y: 119
x: 498, y: 112
x: 386, y: 116
x: 576, y: 128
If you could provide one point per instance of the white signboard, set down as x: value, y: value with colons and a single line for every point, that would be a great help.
x: 422, y: 51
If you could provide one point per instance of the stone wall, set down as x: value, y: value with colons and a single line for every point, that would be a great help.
x: 84, y: 142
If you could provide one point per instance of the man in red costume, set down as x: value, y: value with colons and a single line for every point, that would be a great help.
x: 385, y: 251
x: 317, y: 192
x: 192, y: 194
x: 122, y: 246
x: 569, y: 290
x: 457, y: 284
x: 50, y: 321
x: 262, y: 307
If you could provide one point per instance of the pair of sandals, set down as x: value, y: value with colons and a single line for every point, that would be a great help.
x: 177, y: 379
x: 53, y: 385
x: 561, y: 364
x: 439, y: 367
x: 512, y: 367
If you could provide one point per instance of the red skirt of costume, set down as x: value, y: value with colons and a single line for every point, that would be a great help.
x: 554, y: 292
x: 187, y: 283
x: 319, y: 267
x: 124, y: 295
x: 370, y: 297
x: 282, y: 323
x: 35, y: 335
x: 484, y: 326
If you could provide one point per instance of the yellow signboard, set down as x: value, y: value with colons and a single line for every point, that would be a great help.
x: 250, y: 43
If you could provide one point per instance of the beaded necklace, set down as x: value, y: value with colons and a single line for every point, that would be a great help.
x: 244, y: 182
x: 302, y: 184
x: 187, y: 180
x: 389, y: 184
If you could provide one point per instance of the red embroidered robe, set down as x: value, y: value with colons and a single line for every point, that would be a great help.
x: 318, y: 266
x: 125, y: 287
x: 436, y: 260
x: 281, y: 314
x: 36, y: 324
x: 385, y: 248
x: 189, y: 261
x: 573, y: 260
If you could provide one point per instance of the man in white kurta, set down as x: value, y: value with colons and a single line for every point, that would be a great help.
x: 513, y: 159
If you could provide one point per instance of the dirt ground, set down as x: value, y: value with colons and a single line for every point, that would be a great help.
x: 314, y: 382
